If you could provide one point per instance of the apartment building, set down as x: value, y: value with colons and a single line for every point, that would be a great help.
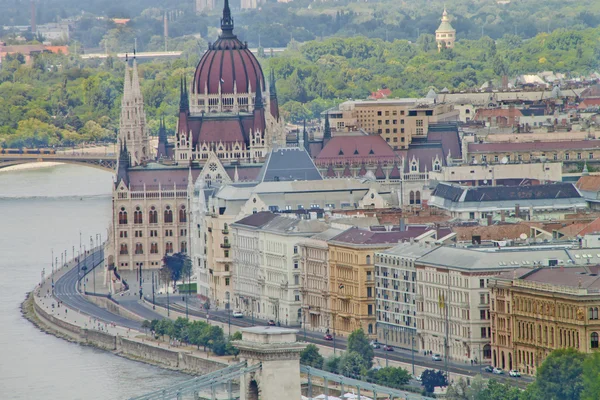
x: 396, y: 120
x: 395, y: 292
x: 267, y: 275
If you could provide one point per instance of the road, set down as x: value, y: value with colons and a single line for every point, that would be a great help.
x: 66, y: 291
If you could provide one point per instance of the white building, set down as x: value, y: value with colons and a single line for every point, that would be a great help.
x: 197, y: 237
x: 267, y: 277
x: 395, y: 289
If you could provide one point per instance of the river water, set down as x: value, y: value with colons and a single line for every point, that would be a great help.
x: 43, y: 210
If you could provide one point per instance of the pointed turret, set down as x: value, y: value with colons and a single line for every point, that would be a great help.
x: 326, y: 130
x: 273, y: 103
x: 184, y: 101
x: 135, y: 80
x: 123, y: 164
x: 258, y: 99
x: 259, y: 110
x: 162, y: 141
x: 226, y: 21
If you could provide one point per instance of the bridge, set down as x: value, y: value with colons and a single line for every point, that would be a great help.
x: 270, y: 370
x: 148, y: 55
x: 100, y: 161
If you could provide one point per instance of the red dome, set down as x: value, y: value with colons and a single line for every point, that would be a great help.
x: 226, y: 62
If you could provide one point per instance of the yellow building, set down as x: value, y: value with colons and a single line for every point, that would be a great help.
x: 352, y: 277
x: 445, y: 35
x: 534, y: 312
x: 396, y: 120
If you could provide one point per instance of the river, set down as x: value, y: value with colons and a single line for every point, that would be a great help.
x: 43, y: 210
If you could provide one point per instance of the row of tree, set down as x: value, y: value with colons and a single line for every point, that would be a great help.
x: 197, y: 333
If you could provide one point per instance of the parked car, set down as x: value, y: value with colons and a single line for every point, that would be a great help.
x: 436, y: 357
x: 514, y: 373
x: 489, y: 368
x: 237, y: 314
x: 498, y: 371
x: 388, y: 348
x: 271, y: 322
x: 374, y: 344
x: 328, y: 337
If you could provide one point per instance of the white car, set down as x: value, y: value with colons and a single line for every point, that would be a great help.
x: 237, y: 314
x: 436, y: 357
x: 514, y: 373
x: 498, y: 371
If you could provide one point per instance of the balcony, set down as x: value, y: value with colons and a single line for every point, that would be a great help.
x: 225, y: 231
x: 225, y: 245
x: 344, y: 296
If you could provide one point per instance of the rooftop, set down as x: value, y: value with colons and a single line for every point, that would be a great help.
x: 289, y: 164
x: 356, y: 236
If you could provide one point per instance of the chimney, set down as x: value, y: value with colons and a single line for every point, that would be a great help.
x: 502, y: 216
x: 489, y: 219
x: 517, y: 210
x: 402, y: 224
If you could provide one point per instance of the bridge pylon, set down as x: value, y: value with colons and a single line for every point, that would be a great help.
x: 278, y: 352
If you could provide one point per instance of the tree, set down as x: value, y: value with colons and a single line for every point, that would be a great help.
x: 430, y: 379
x: 332, y: 364
x: 390, y: 376
x: 458, y: 391
x: 560, y: 377
x: 310, y: 356
x: 146, y: 325
x: 179, y: 265
x: 591, y: 377
x: 352, y: 364
x: 359, y: 342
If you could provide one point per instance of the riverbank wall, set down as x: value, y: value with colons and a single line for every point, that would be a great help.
x: 132, y: 348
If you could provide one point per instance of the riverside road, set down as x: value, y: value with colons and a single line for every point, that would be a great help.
x: 66, y: 290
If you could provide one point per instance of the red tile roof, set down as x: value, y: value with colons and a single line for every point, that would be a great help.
x: 590, y: 183
x: 356, y: 149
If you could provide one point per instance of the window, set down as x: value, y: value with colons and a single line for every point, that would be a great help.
x: 183, y: 247
x: 182, y: 214
x: 368, y: 260
x: 481, y: 298
x: 482, y: 283
x: 137, y: 216
x: 226, y: 281
x: 295, y: 264
x: 183, y: 232
x: 496, y: 158
x: 594, y: 342
x: 567, y: 156
x: 419, y: 131
x: 591, y: 156
x: 555, y: 156
x: 138, y: 233
x: 482, y: 314
x: 153, y: 233
x: 483, y: 333
x: 295, y: 249
x: 153, y: 248
x: 370, y: 309
x: 123, y: 249
x: 139, y: 249
x: 419, y: 122
x: 153, y: 215
x: 226, y: 253
x: 168, y: 215
x: 168, y: 232
x: 169, y: 248
x: 296, y: 279
x: 123, y: 234
x: 123, y: 216
x: 369, y: 292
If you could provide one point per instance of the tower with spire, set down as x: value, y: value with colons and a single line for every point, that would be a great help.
x: 445, y: 35
x: 132, y: 128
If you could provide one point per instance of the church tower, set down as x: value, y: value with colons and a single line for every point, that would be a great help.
x: 132, y: 127
x: 445, y: 35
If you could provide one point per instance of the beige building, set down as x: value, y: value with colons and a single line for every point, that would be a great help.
x: 314, y: 267
x: 535, y: 311
x: 396, y: 120
x: 498, y: 174
x: 445, y: 35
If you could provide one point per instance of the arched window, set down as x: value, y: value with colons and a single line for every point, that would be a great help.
x: 137, y: 216
x: 218, y: 178
x: 370, y: 329
x: 139, y: 249
x: 182, y: 214
x: 169, y: 248
x: 123, y: 249
x: 168, y: 215
x: 153, y: 215
x: 183, y: 247
x: 411, y: 197
x: 299, y: 314
x: 595, y: 312
x: 417, y: 197
x: 591, y: 313
x: 368, y: 260
x: 153, y: 248
x: 123, y: 216
x: 594, y: 343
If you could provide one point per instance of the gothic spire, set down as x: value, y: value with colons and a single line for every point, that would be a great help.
x: 327, y: 129
x: 258, y: 100
x: 183, y: 96
x: 127, y: 82
x: 135, y: 80
x: 272, y: 89
x: 123, y: 163
x: 227, y: 21
x: 305, y: 138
